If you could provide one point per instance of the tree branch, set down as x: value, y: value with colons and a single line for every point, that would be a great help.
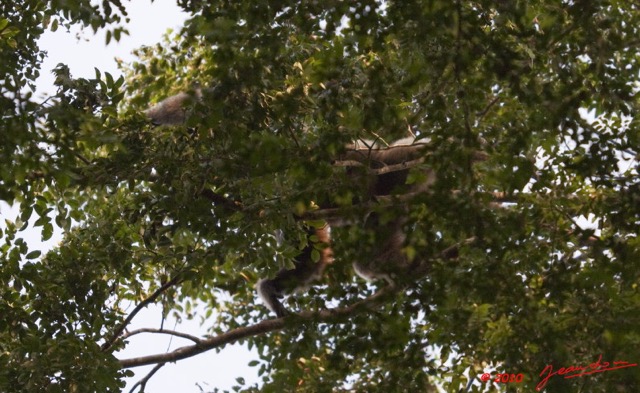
x: 218, y: 199
x: 385, y: 169
x: 161, y: 331
x: 269, y: 325
x: 143, y: 382
x: 336, y: 215
x: 483, y: 112
x: 118, y: 331
x: 453, y: 251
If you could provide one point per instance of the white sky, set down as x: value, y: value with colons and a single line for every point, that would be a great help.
x: 148, y: 23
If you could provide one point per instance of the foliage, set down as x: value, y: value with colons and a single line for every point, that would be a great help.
x: 186, y: 215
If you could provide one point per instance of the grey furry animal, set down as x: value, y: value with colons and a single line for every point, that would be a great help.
x: 385, y: 175
x: 382, y: 170
x: 173, y: 110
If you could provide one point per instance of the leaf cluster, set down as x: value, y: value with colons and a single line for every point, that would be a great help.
x: 188, y: 216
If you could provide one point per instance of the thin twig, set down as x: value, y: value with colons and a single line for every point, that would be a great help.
x: 118, y: 331
x: 161, y: 331
x: 143, y: 382
x: 482, y: 113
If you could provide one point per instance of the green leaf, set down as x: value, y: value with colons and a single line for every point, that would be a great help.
x: 33, y: 254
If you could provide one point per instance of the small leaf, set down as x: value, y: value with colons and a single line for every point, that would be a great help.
x: 33, y: 254
x: 47, y: 231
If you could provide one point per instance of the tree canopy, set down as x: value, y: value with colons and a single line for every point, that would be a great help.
x: 545, y: 228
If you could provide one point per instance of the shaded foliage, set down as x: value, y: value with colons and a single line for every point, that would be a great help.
x: 186, y: 215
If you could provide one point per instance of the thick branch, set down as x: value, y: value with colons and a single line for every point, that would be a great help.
x: 336, y: 215
x: 203, y: 345
x: 385, y: 169
x: 328, y: 315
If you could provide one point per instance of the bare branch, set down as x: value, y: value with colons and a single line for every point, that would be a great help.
x: 118, y: 331
x: 328, y: 315
x: 483, y: 112
x: 349, y: 163
x: 371, y: 153
x: 143, y: 382
x: 257, y: 329
x: 161, y: 331
x: 385, y: 169
x: 364, y: 157
x: 453, y: 251
x: 338, y: 216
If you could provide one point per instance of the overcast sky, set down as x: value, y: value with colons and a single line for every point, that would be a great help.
x: 148, y: 23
